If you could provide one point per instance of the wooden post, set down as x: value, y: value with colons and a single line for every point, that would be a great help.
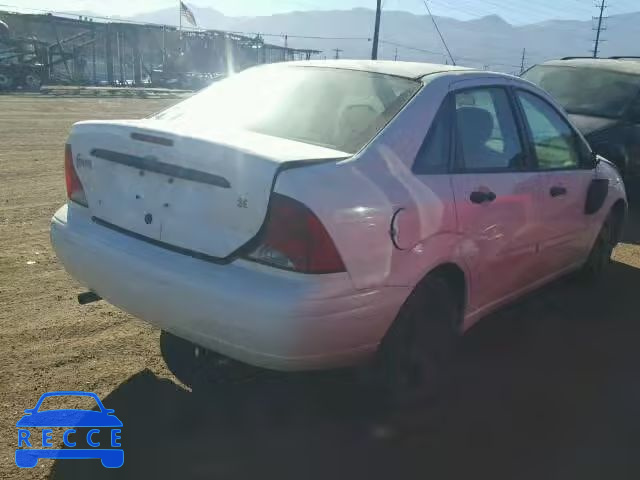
x: 109, y: 53
x: 93, y: 54
x: 137, y: 74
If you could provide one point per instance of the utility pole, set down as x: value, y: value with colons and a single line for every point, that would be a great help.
x: 395, y: 57
x: 376, y: 31
x: 337, y: 50
x: 286, y: 47
x: 524, y: 52
x: 164, y: 48
x: 599, y: 29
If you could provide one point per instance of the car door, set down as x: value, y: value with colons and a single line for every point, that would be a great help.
x: 566, y: 171
x: 495, y: 195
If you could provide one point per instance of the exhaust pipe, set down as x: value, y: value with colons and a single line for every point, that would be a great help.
x: 88, y: 297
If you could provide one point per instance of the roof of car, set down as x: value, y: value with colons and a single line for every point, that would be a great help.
x: 622, y: 66
x: 388, y: 67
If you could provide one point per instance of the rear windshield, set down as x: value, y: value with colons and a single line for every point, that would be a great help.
x: 335, y: 108
x: 587, y: 91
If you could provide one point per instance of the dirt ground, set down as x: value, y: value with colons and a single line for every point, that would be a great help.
x: 548, y: 388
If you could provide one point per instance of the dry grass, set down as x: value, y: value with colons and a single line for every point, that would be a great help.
x: 47, y: 341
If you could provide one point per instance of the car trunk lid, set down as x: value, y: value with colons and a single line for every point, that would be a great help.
x: 201, y: 189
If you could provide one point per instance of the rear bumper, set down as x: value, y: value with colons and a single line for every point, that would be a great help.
x: 250, y: 312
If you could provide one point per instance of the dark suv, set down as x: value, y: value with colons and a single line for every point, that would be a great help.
x: 602, y: 97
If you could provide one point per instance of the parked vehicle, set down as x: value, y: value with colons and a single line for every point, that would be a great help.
x: 317, y: 214
x: 602, y: 97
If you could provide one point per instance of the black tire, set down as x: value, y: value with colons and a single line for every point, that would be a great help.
x: 414, y: 358
x: 600, y: 256
x: 32, y: 82
x: 6, y: 81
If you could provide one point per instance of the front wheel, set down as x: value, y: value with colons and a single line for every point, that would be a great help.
x: 414, y: 358
x: 600, y: 256
x: 32, y: 81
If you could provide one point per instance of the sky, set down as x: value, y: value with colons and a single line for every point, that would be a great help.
x: 514, y: 11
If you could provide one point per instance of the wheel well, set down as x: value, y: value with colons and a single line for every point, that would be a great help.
x: 455, y: 278
x: 618, y: 213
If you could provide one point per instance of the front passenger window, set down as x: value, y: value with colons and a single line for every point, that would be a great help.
x: 554, y: 141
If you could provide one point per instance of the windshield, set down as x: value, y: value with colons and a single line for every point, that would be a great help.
x: 339, y: 109
x: 587, y: 91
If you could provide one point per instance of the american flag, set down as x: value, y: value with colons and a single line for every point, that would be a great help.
x: 187, y: 14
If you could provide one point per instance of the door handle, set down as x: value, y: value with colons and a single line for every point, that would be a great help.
x: 482, y: 197
x: 557, y: 191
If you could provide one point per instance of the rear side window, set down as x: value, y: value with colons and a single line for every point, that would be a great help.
x: 433, y: 156
x: 555, y: 143
x: 486, y: 131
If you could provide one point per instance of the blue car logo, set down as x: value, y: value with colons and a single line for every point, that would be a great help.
x: 29, y: 452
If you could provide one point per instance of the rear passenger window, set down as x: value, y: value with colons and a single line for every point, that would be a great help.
x: 433, y: 156
x: 486, y: 132
x: 555, y: 143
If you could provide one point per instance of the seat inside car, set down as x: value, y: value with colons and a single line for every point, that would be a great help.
x: 475, y: 126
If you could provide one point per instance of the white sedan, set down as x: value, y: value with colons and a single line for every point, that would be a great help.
x: 308, y: 215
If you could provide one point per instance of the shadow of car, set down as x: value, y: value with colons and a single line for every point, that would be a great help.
x: 543, y: 389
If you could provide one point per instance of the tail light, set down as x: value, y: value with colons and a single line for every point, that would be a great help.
x: 75, y: 191
x: 295, y: 239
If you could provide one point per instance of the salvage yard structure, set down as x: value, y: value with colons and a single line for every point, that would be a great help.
x: 38, y: 49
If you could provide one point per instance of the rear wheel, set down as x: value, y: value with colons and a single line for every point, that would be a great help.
x: 415, y: 356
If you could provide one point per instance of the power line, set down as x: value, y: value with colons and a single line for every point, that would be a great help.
x: 440, y: 54
x: 508, y: 10
x: 599, y: 29
x: 409, y: 47
x: 438, y: 30
x: 311, y: 37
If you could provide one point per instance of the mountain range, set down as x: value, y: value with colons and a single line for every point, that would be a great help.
x: 487, y: 42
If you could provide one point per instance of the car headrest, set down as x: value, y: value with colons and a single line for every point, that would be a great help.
x: 475, y: 125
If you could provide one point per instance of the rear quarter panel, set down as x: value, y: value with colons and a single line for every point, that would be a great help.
x: 356, y: 200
